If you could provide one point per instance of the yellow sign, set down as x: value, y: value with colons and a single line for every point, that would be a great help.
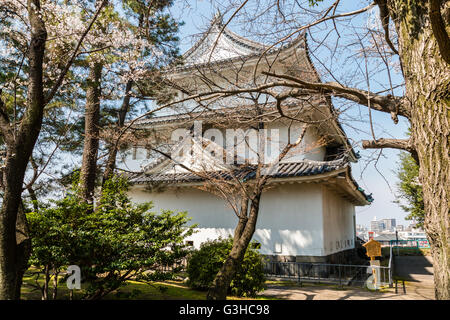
x: 373, y: 248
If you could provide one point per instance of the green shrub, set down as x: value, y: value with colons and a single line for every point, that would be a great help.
x: 112, y: 243
x: 204, y: 264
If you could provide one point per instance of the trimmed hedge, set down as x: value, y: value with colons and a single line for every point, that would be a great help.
x: 205, y: 263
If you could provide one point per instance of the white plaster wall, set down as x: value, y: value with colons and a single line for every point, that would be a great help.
x: 290, y: 215
x: 338, y: 213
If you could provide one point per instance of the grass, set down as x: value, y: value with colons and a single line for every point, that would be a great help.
x: 167, y: 290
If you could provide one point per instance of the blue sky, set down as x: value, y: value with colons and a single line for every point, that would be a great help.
x: 380, y: 180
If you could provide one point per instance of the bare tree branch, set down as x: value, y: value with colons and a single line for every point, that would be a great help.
x: 74, y: 55
x: 389, y: 104
x: 439, y: 31
x: 384, y: 17
x: 324, y: 18
x: 403, y: 144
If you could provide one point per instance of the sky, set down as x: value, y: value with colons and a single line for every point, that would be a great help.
x: 378, y: 179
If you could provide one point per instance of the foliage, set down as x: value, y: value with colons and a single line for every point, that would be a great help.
x: 133, y: 39
x: 167, y: 290
x: 410, y: 189
x: 314, y: 3
x: 113, y: 243
x: 205, y: 263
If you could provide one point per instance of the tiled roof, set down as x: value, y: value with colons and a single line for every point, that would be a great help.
x: 244, y: 172
x: 247, y: 172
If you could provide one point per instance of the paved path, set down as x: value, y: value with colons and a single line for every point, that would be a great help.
x: 416, y: 270
x: 322, y: 292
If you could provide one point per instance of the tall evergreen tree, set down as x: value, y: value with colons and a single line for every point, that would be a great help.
x: 410, y: 189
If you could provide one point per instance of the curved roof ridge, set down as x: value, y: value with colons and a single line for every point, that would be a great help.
x: 200, y: 41
x: 242, y: 40
x: 218, y: 32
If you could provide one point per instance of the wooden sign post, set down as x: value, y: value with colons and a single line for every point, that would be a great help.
x: 373, y: 249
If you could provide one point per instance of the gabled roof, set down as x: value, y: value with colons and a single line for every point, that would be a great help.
x: 219, y: 45
x: 227, y: 46
x: 222, y: 43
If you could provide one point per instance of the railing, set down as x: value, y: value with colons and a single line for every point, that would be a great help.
x: 177, y: 266
x: 391, y: 265
x: 341, y: 274
x: 416, y: 243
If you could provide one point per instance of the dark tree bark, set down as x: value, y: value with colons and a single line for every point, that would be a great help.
x: 44, y: 289
x: 14, y: 246
x: 113, y: 148
x: 23, y: 242
x: 55, y: 283
x: 427, y: 79
x: 124, y: 108
x: 19, y: 149
x: 91, y: 133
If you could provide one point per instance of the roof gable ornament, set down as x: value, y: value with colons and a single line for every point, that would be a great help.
x: 219, y: 43
x: 218, y: 18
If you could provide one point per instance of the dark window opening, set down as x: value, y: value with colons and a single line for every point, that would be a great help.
x: 333, y: 152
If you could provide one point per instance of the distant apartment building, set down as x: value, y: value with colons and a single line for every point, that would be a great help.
x: 376, y: 225
x: 389, y: 224
x: 382, y: 225
x: 361, y: 228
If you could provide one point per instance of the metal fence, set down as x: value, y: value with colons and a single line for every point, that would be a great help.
x: 177, y: 266
x: 416, y: 243
x: 341, y: 274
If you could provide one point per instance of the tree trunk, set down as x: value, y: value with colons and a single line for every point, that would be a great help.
x: 427, y: 79
x: 55, y: 283
x: 243, y: 234
x: 23, y: 248
x: 111, y: 162
x: 91, y: 133
x: 431, y: 132
x: 19, y: 149
x: 46, y: 282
